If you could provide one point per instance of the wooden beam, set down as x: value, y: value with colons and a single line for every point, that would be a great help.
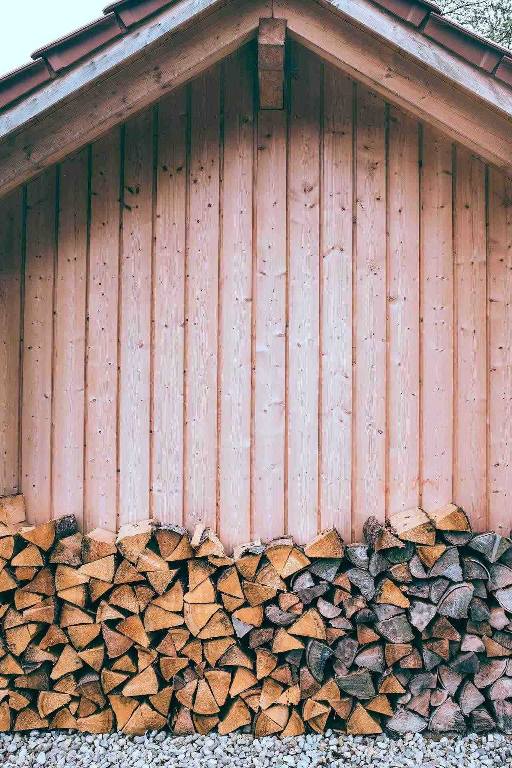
x: 126, y: 90
x: 438, y: 93
x: 271, y: 49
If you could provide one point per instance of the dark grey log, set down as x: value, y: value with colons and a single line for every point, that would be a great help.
x: 504, y: 598
x: 241, y: 628
x: 422, y: 682
x: 503, y: 713
x: 421, y: 614
x: 260, y: 636
x: 396, y: 630
x: 327, y: 610
x: 470, y: 698
x: 447, y: 718
x: 326, y: 570
x: 294, y: 657
x: 280, y: 618
x: 500, y: 576
x: 346, y: 650
x: 372, y: 658
x: 448, y: 566
x: 364, y: 582
x: 384, y: 612
x: 358, y: 555
x: 430, y: 659
x: 449, y: 679
x: 457, y: 538
x: 455, y: 602
x: 358, y: 684
x: 491, y: 545
x: 466, y: 664
x: 365, y: 616
x: 317, y: 656
x: 406, y: 721
x: 474, y: 569
x: 378, y: 564
x: 419, y: 589
x: 503, y: 638
x: 501, y: 689
x: 400, y: 554
x: 416, y: 567
x: 478, y: 609
x: 481, y: 721
x: 312, y: 593
x: 489, y: 672
x: 438, y: 587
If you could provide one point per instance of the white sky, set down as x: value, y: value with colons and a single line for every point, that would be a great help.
x: 26, y: 25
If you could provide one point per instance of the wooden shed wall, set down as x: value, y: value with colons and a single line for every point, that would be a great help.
x: 270, y: 322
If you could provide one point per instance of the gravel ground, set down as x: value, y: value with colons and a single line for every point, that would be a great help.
x: 54, y: 750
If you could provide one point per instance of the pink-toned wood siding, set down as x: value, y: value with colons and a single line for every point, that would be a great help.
x: 272, y: 322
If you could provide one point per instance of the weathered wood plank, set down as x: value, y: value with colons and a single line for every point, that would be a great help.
x: 36, y: 437
x: 235, y: 310
x: 135, y: 320
x: 201, y: 334
x: 500, y: 351
x: 69, y: 339
x: 403, y: 313
x: 437, y: 321
x: 169, y: 310
x: 470, y: 460
x: 11, y: 265
x: 101, y: 393
x: 303, y: 294
x: 269, y: 328
x: 336, y: 303
x: 368, y: 496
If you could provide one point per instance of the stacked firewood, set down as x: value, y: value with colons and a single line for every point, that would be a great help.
x: 152, y: 628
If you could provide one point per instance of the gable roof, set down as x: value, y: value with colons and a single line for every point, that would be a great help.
x: 119, y: 17
x: 81, y: 86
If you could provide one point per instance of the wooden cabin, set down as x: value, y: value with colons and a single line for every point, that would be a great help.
x: 256, y: 268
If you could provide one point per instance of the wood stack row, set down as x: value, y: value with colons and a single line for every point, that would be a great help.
x: 149, y: 629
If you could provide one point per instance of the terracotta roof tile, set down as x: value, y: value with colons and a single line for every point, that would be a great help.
x: 504, y: 70
x: 132, y: 11
x: 475, y: 49
x: 121, y: 15
x: 20, y: 83
x: 67, y: 50
x: 413, y: 11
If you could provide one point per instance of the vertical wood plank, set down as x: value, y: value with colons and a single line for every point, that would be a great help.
x: 69, y: 339
x: 336, y: 303
x: 270, y: 327
x: 169, y: 310
x: 303, y: 294
x: 369, y: 467
x: 437, y: 321
x: 38, y: 347
x: 135, y: 320
x: 470, y: 480
x: 500, y: 352
x: 235, y: 321
x: 100, y: 488
x: 201, y: 303
x: 11, y: 265
x: 403, y: 313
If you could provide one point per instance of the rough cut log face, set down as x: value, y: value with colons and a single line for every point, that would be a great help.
x: 152, y: 628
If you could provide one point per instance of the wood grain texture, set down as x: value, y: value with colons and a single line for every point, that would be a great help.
x: 36, y: 438
x: 11, y: 265
x: 100, y: 487
x: 336, y: 303
x: 135, y: 320
x: 303, y: 295
x: 169, y: 310
x: 370, y: 307
x: 436, y: 347
x: 470, y: 460
x: 403, y: 415
x: 270, y: 327
x: 500, y: 351
x: 69, y: 339
x: 201, y: 334
x: 235, y: 310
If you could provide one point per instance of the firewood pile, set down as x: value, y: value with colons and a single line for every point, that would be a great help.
x: 152, y: 629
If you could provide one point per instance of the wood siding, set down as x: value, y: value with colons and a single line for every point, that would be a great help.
x: 272, y: 322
